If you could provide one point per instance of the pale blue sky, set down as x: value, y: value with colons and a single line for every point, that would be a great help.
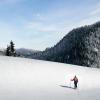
x: 37, y: 24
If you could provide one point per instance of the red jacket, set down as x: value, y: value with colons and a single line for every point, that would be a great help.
x: 75, y: 79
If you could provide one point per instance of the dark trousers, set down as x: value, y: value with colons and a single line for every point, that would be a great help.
x: 75, y: 84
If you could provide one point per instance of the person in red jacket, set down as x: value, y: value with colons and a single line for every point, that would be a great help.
x: 75, y: 79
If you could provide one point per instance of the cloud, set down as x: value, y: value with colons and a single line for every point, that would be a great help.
x: 88, y: 21
x: 54, y: 21
x: 7, y: 33
x: 42, y: 27
x: 95, y: 12
x: 92, y: 17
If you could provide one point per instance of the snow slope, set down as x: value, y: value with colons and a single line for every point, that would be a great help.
x: 27, y: 79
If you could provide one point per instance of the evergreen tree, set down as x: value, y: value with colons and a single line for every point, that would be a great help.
x: 12, y: 47
x: 8, y: 51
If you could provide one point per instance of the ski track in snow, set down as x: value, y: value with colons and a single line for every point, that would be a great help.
x: 28, y: 79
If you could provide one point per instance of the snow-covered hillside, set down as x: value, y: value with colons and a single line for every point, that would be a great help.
x: 27, y: 79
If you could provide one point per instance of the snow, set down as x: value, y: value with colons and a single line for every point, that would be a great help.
x: 27, y: 79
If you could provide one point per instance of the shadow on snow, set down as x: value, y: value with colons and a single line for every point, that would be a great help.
x: 64, y: 86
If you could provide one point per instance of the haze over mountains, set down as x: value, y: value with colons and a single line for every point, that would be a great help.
x: 26, y: 52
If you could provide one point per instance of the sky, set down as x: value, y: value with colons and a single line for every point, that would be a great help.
x: 39, y: 24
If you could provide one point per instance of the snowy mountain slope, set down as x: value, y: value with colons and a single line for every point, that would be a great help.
x: 81, y: 46
x: 27, y: 79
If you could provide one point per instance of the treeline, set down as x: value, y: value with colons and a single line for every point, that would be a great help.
x: 81, y: 46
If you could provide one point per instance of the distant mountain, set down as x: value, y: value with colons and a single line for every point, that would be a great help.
x: 2, y: 52
x: 28, y: 53
x: 81, y: 46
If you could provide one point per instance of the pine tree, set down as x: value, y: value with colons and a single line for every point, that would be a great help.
x: 8, y: 51
x: 12, y: 47
x: 13, y: 53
